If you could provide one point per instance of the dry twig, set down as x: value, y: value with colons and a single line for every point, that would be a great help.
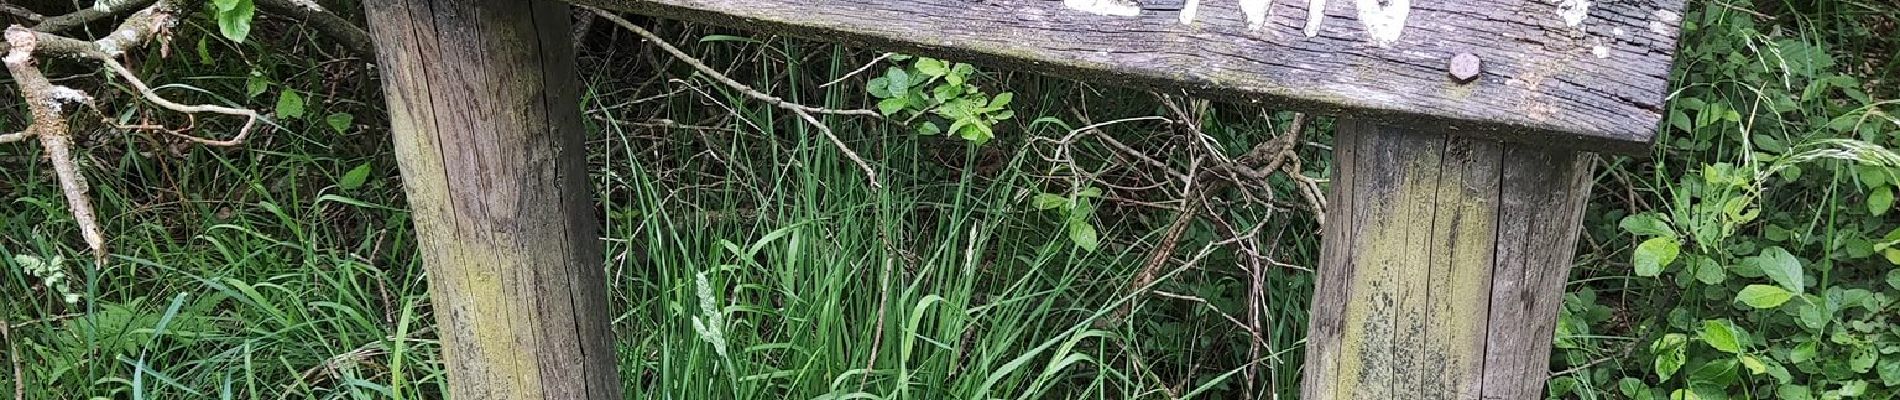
x: 804, y: 112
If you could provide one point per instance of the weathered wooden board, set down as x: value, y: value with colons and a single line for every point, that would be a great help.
x: 1570, y: 73
x: 1443, y: 266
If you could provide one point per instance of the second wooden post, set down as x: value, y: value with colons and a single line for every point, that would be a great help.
x: 486, y: 113
x: 1443, y: 266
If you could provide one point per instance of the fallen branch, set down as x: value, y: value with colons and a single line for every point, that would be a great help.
x: 306, y: 13
x: 62, y: 23
x: 803, y: 111
x: 46, y: 102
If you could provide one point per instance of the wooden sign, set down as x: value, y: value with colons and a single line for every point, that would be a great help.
x: 1578, y: 74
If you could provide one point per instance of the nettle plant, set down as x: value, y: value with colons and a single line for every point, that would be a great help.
x: 936, y: 97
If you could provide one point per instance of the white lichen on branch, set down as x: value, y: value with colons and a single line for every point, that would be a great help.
x: 45, y: 101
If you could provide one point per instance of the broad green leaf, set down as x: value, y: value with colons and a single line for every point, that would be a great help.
x: 255, y: 85
x: 1654, y: 254
x: 1670, y: 354
x: 1002, y: 100
x: 1083, y: 234
x: 1873, y: 175
x: 1708, y: 271
x: 899, y: 81
x: 1863, y: 360
x: 1889, y: 371
x: 1754, y: 365
x: 1721, y: 336
x: 1880, y: 200
x: 1793, y: 392
x: 1634, y: 389
x: 928, y: 128
x: 234, y: 18
x: 932, y: 67
x: 289, y: 104
x: 1814, y: 314
x: 892, y: 106
x: 355, y: 178
x: 1781, y: 267
x: 1647, y: 224
x: 340, y: 122
x: 1893, y: 276
x: 879, y: 87
x: 1803, y: 352
x: 1763, y: 296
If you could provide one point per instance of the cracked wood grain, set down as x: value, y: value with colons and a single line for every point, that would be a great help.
x: 485, y: 108
x: 1442, y: 267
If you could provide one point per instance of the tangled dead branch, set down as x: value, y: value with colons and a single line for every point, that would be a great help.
x: 26, y: 50
x: 802, y: 111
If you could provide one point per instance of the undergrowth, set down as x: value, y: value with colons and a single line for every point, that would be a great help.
x: 1753, y: 256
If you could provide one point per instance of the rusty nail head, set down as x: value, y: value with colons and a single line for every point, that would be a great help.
x: 1465, y: 67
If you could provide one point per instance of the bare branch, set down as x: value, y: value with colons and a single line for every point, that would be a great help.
x: 803, y: 111
x: 62, y: 23
x: 722, y: 78
x: 351, y: 37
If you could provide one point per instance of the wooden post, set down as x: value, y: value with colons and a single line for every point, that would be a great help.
x: 485, y: 106
x: 1443, y: 266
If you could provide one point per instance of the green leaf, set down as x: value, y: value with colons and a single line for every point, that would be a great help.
x: 1654, y: 254
x: 1889, y: 371
x: 899, y: 81
x: 879, y: 87
x: 1670, y: 354
x: 1647, y: 224
x: 1880, y: 200
x: 928, y: 128
x: 340, y: 122
x: 1763, y: 296
x: 234, y: 18
x: 1708, y: 271
x: 727, y: 38
x: 1893, y: 276
x: 1793, y: 392
x: 1046, y: 201
x: 255, y: 85
x: 204, y: 51
x: 892, y: 106
x: 1804, y: 352
x: 1781, y: 267
x: 289, y: 104
x: 355, y: 178
x: 1002, y: 100
x: 1719, y: 335
x: 932, y: 67
x: 1083, y: 234
x: 1873, y: 175
x: 1754, y: 365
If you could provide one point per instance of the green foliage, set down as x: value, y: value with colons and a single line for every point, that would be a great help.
x: 1077, y: 212
x: 1762, y: 269
x: 234, y: 18
x: 936, y: 97
x: 52, y: 275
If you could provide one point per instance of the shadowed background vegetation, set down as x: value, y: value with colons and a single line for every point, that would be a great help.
x: 1753, y: 255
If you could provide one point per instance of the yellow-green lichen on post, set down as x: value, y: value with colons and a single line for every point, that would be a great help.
x: 1406, y: 281
x: 484, y: 105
